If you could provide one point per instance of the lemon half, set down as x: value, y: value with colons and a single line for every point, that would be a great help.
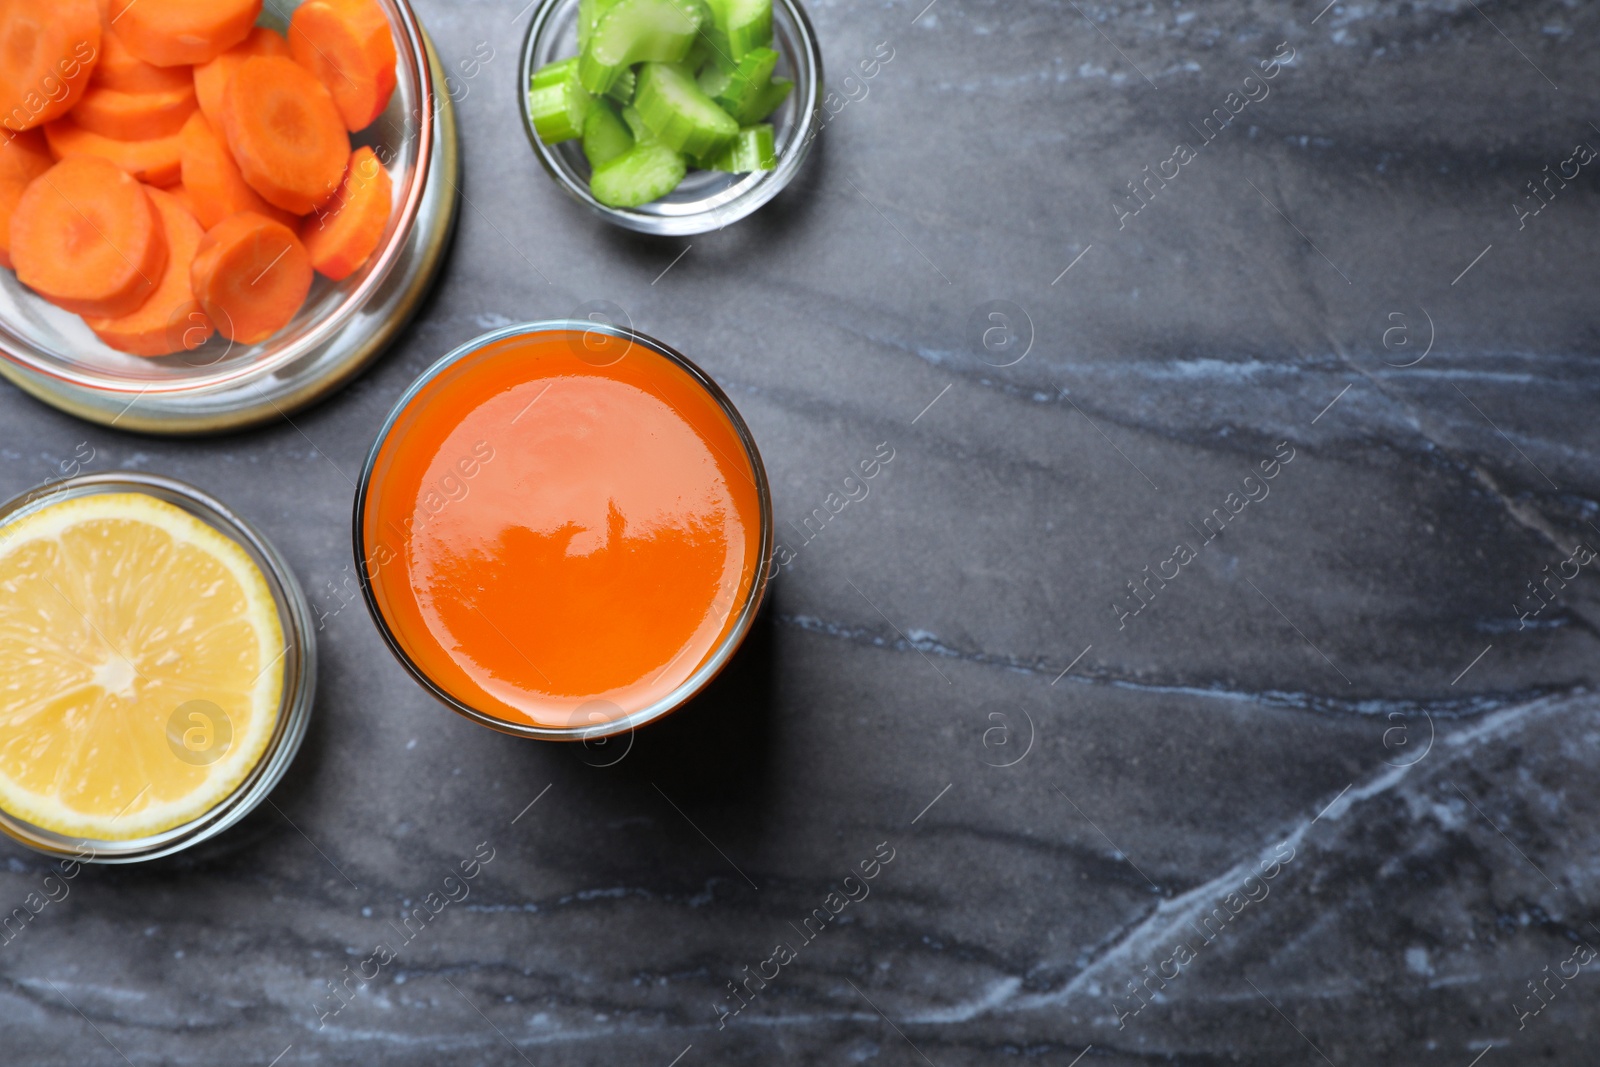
x: 141, y: 666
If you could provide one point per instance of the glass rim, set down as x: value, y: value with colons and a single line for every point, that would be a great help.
x: 299, y: 665
x: 737, y: 201
x: 412, y: 50
x: 714, y: 661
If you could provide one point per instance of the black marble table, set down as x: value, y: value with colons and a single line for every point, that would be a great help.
x: 1215, y: 657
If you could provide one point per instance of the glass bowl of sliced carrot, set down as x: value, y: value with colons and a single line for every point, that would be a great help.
x: 207, y: 207
x: 671, y: 117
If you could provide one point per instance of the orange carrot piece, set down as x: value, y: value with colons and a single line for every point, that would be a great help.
x: 171, y: 319
x: 22, y: 159
x: 119, y: 68
x: 349, y: 46
x: 344, y: 234
x: 211, y: 79
x: 251, y: 276
x: 180, y: 193
x: 285, y: 133
x: 47, y: 54
x: 216, y: 188
x: 170, y: 33
x: 134, y: 116
x: 86, y: 237
x: 158, y: 161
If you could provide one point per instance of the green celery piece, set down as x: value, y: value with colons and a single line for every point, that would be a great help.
x: 558, y: 103
x: 716, y: 75
x: 681, y: 116
x: 754, y: 149
x: 643, y: 173
x: 748, y: 82
x: 737, y: 26
x: 605, y: 137
x: 622, y: 90
x: 551, y: 73
x: 636, y: 31
x: 636, y: 125
x: 590, y: 12
x: 765, y: 102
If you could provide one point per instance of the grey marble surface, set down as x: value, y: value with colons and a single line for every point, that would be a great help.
x: 1340, y: 758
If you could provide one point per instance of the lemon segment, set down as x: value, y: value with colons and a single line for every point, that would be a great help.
x: 141, y: 666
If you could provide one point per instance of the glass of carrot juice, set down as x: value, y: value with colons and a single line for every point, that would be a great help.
x: 564, y: 530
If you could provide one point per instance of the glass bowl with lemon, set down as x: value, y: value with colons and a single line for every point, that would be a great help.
x: 157, y: 666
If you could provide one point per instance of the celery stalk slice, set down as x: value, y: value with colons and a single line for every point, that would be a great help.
x: 558, y: 102
x: 643, y: 173
x: 636, y: 31
x: 605, y: 137
x: 754, y: 149
x: 737, y: 26
x: 764, y: 103
x: 680, y: 114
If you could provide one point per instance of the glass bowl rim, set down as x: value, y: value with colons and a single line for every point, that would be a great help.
x: 300, y: 671
x: 747, y: 197
x: 721, y: 653
x: 412, y: 51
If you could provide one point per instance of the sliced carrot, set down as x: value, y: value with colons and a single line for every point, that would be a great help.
x: 119, y: 68
x: 344, y: 234
x: 348, y: 45
x: 47, y: 54
x: 170, y: 33
x: 211, y: 79
x: 135, y: 116
x: 180, y: 193
x: 251, y: 276
x: 285, y: 133
x: 86, y: 237
x: 216, y: 187
x: 158, y: 161
x: 171, y: 319
x: 22, y: 159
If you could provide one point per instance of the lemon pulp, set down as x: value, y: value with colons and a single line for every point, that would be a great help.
x: 141, y: 666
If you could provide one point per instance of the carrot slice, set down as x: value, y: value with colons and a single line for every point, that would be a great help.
x: 170, y: 33
x: 86, y: 237
x: 348, y: 45
x: 158, y: 161
x: 215, y: 186
x: 47, y: 54
x: 180, y: 193
x: 342, y: 236
x: 251, y: 276
x: 22, y: 159
x: 285, y: 133
x: 119, y: 68
x: 135, y: 116
x: 211, y: 79
x: 171, y: 319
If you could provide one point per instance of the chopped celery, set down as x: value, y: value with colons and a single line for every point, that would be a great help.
x: 636, y: 125
x: 622, y: 90
x: 635, y: 31
x: 590, y: 12
x: 558, y: 102
x: 753, y: 149
x: 737, y: 26
x: 604, y: 135
x: 765, y: 102
x: 643, y: 173
x: 747, y: 82
x: 681, y: 116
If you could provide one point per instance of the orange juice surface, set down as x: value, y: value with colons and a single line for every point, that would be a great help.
x: 559, y: 543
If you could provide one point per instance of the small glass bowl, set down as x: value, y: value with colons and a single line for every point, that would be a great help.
x: 299, y: 670
x: 707, y: 200
x: 53, y: 355
x: 718, y: 657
